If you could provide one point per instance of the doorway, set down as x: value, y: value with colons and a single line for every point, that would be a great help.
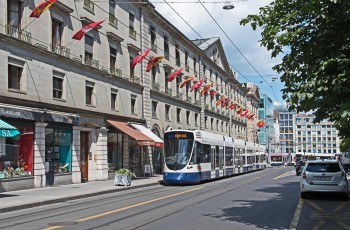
x: 84, y: 155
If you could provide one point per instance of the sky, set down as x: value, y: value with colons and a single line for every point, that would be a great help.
x: 242, y: 37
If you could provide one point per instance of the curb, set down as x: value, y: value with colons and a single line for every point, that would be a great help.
x: 59, y: 200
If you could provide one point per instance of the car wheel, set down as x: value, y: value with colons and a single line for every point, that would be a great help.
x: 303, y: 195
x: 346, y: 196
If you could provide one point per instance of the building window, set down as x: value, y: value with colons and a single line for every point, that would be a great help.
x: 188, y: 117
x: 14, y: 13
x: 132, y: 70
x: 212, y: 123
x: 58, y: 85
x: 195, y: 66
x: 153, y: 39
x: 89, y: 92
x: 177, y: 54
x: 206, y: 122
x: 178, y: 115
x: 14, y: 77
x: 114, y: 101
x: 89, y: 42
x: 133, y: 104
x: 167, y: 112
x: 154, y: 73
x: 57, y: 30
x: 112, y: 58
x: 154, y: 109
x: 132, y: 31
x: 166, y: 47
x: 217, y: 125
x: 187, y: 68
x: 196, y: 119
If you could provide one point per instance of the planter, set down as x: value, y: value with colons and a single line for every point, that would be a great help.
x: 122, y: 180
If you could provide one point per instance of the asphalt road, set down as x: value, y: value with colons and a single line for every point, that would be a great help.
x: 268, y: 199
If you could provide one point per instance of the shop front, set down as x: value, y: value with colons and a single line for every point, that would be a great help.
x: 131, y: 149
x: 156, y: 162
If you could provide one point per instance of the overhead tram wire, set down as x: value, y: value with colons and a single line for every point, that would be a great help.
x: 237, y: 48
x: 198, y: 33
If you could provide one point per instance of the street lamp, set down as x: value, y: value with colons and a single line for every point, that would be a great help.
x: 228, y: 6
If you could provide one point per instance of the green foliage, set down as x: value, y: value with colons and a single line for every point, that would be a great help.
x: 313, y: 39
x: 124, y: 171
x: 345, y: 145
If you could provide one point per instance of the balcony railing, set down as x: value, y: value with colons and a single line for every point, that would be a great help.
x: 89, y: 5
x: 116, y: 72
x: 61, y: 50
x: 188, y: 99
x: 22, y: 35
x: 132, y: 33
x: 91, y: 62
x: 155, y: 86
x: 179, y: 95
x: 113, y: 20
x: 169, y: 92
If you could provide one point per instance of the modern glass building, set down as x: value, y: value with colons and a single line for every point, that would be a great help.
x: 265, y: 112
x: 286, y: 142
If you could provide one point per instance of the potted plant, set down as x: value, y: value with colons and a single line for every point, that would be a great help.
x: 123, y: 177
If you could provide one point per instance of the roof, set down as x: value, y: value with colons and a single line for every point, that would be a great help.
x: 203, y: 44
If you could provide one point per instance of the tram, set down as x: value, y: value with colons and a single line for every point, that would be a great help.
x: 193, y: 156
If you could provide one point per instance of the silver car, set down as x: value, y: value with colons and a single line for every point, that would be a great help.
x: 323, y: 176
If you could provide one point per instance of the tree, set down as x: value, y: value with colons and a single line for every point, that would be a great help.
x: 313, y: 38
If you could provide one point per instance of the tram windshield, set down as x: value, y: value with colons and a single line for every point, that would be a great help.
x: 177, y: 149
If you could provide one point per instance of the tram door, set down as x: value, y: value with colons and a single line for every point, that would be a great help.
x: 221, y: 159
x: 213, y: 161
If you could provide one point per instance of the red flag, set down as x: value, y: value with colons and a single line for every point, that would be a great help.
x: 243, y: 114
x: 251, y: 116
x: 187, y: 80
x: 197, y: 85
x: 174, y: 75
x: 205, y: 89
x: 139, y: 58
x: 225, y: 102
x: 212, y: 93
x: 153, y: 61
x: 218, y: 102
x: 80, y: 34
x: 239, y: 110
x: 232, y: 106
x: 41, y: 8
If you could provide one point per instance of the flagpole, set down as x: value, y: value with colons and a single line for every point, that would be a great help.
x: 29, y: 24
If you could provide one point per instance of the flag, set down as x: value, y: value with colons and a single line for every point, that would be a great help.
x: 174, y: 75
x: 251, y: 116
x: 213, y: 92
x: 218, y: 102
x: 139, y: 58
x: 232, y: 106
x: 225, y: 102
x: 205, y: 89
x: 41, y: 8
x: 243, y: 114
x: 187, y: 80
x: 80, y: 34
x: 153, y: 61
x: 197, y: 85
x: 239, y: 110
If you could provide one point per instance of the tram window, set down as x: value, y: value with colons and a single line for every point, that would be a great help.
x: 197, y: 153
x: 206, y: 154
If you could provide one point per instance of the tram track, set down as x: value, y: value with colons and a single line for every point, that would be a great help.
x: 181, y: 204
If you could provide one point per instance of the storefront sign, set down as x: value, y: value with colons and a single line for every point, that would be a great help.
x: 62, y: 119
x: 17, y: 113
x: 9, y: 132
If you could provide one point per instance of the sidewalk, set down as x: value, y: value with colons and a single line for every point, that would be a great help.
x: 14, y: 200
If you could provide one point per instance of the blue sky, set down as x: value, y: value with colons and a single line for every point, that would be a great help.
x: 242, y: 37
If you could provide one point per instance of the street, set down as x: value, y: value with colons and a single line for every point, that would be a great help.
x: 267, y: 199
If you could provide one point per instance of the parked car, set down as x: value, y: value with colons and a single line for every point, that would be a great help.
x: 299, y: 167
x: 323, y: 176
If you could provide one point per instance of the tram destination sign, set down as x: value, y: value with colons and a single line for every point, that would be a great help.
x: 178, y: 135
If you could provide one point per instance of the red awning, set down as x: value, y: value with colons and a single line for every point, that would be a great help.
x: 141, y: 138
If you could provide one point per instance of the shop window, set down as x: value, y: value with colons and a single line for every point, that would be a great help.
x: 115, y: 150
x: 58, y: 150
x: 16, y: 153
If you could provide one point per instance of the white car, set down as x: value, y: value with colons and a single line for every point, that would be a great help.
x: 323, y: 176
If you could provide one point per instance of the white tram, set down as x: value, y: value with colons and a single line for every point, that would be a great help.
x: 192, y: 156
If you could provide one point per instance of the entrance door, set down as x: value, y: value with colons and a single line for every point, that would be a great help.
x: 84, y: 155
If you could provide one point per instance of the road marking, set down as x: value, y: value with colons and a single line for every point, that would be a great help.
x: 53, y: 227
x: 136, y: 205
x: 295, y: 221
x: 283, y: 175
